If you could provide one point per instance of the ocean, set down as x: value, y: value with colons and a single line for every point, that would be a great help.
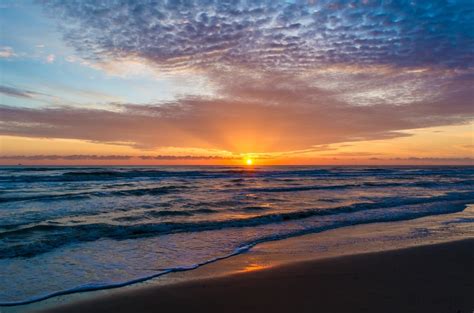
x: 70, y: 229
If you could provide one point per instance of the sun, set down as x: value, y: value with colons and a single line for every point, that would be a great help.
x: 249, y: 161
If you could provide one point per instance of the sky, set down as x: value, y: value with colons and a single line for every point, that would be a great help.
x: 218, y: 82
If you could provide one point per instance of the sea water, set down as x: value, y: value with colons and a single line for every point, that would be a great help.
x: 67, y: 229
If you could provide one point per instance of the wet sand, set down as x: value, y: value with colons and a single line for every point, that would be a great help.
x: 434, y: 278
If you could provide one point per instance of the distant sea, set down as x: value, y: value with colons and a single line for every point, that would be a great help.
x: 67, y: 229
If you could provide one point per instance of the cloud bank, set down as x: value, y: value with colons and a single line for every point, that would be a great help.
x: 93, y: 157
x: 256, y: 116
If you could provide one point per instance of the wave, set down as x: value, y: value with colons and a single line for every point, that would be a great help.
x: 175, y: 188
x: 425, y: 184
x: 49, y: 237
x: 109, y: 285
x: 242, y: 248
x: 151, y: 191
x: 115, y: 173
x: 170, y: 213
x: 156, y: 213
x: 254, y: 208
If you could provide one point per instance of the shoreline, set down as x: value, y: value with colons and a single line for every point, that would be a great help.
x: 428, y: 278
x: 340, y: 242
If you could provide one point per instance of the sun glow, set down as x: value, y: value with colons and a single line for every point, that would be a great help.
x: 249, y: 161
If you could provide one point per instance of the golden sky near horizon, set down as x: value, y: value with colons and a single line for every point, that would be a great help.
x: 444, y: 143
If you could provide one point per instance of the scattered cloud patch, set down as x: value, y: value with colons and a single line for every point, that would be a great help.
x: 50, y: 58
x: 20, y: 93
x: 7, y: 52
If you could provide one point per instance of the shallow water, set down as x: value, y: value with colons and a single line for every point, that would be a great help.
x: 77, y: 228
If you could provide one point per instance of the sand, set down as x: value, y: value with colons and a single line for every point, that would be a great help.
x: 434, y: 278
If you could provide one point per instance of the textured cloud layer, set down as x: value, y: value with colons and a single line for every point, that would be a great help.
x: 283, y: 35
x: 288, y: 75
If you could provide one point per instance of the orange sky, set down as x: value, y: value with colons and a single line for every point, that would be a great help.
x: 439, y: 145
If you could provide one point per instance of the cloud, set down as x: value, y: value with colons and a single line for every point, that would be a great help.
x: 50, y: 58
x: 286, y: 75
x: 135, y: 158
x: 427, y: 160
x: 75, y: 157
x: 396, y: 52
x: 92, y: 157
x: 352, y: 154
x: 17, y: 92
x: 263, y: 115
x: 71, y: 98
x: 283, y: 35
x: 188, y: 157
x: 7, y: 52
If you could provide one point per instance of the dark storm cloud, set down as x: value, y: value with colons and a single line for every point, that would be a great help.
x: 276, y: 35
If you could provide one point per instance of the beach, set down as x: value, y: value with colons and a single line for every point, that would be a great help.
x: 431, y: 278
